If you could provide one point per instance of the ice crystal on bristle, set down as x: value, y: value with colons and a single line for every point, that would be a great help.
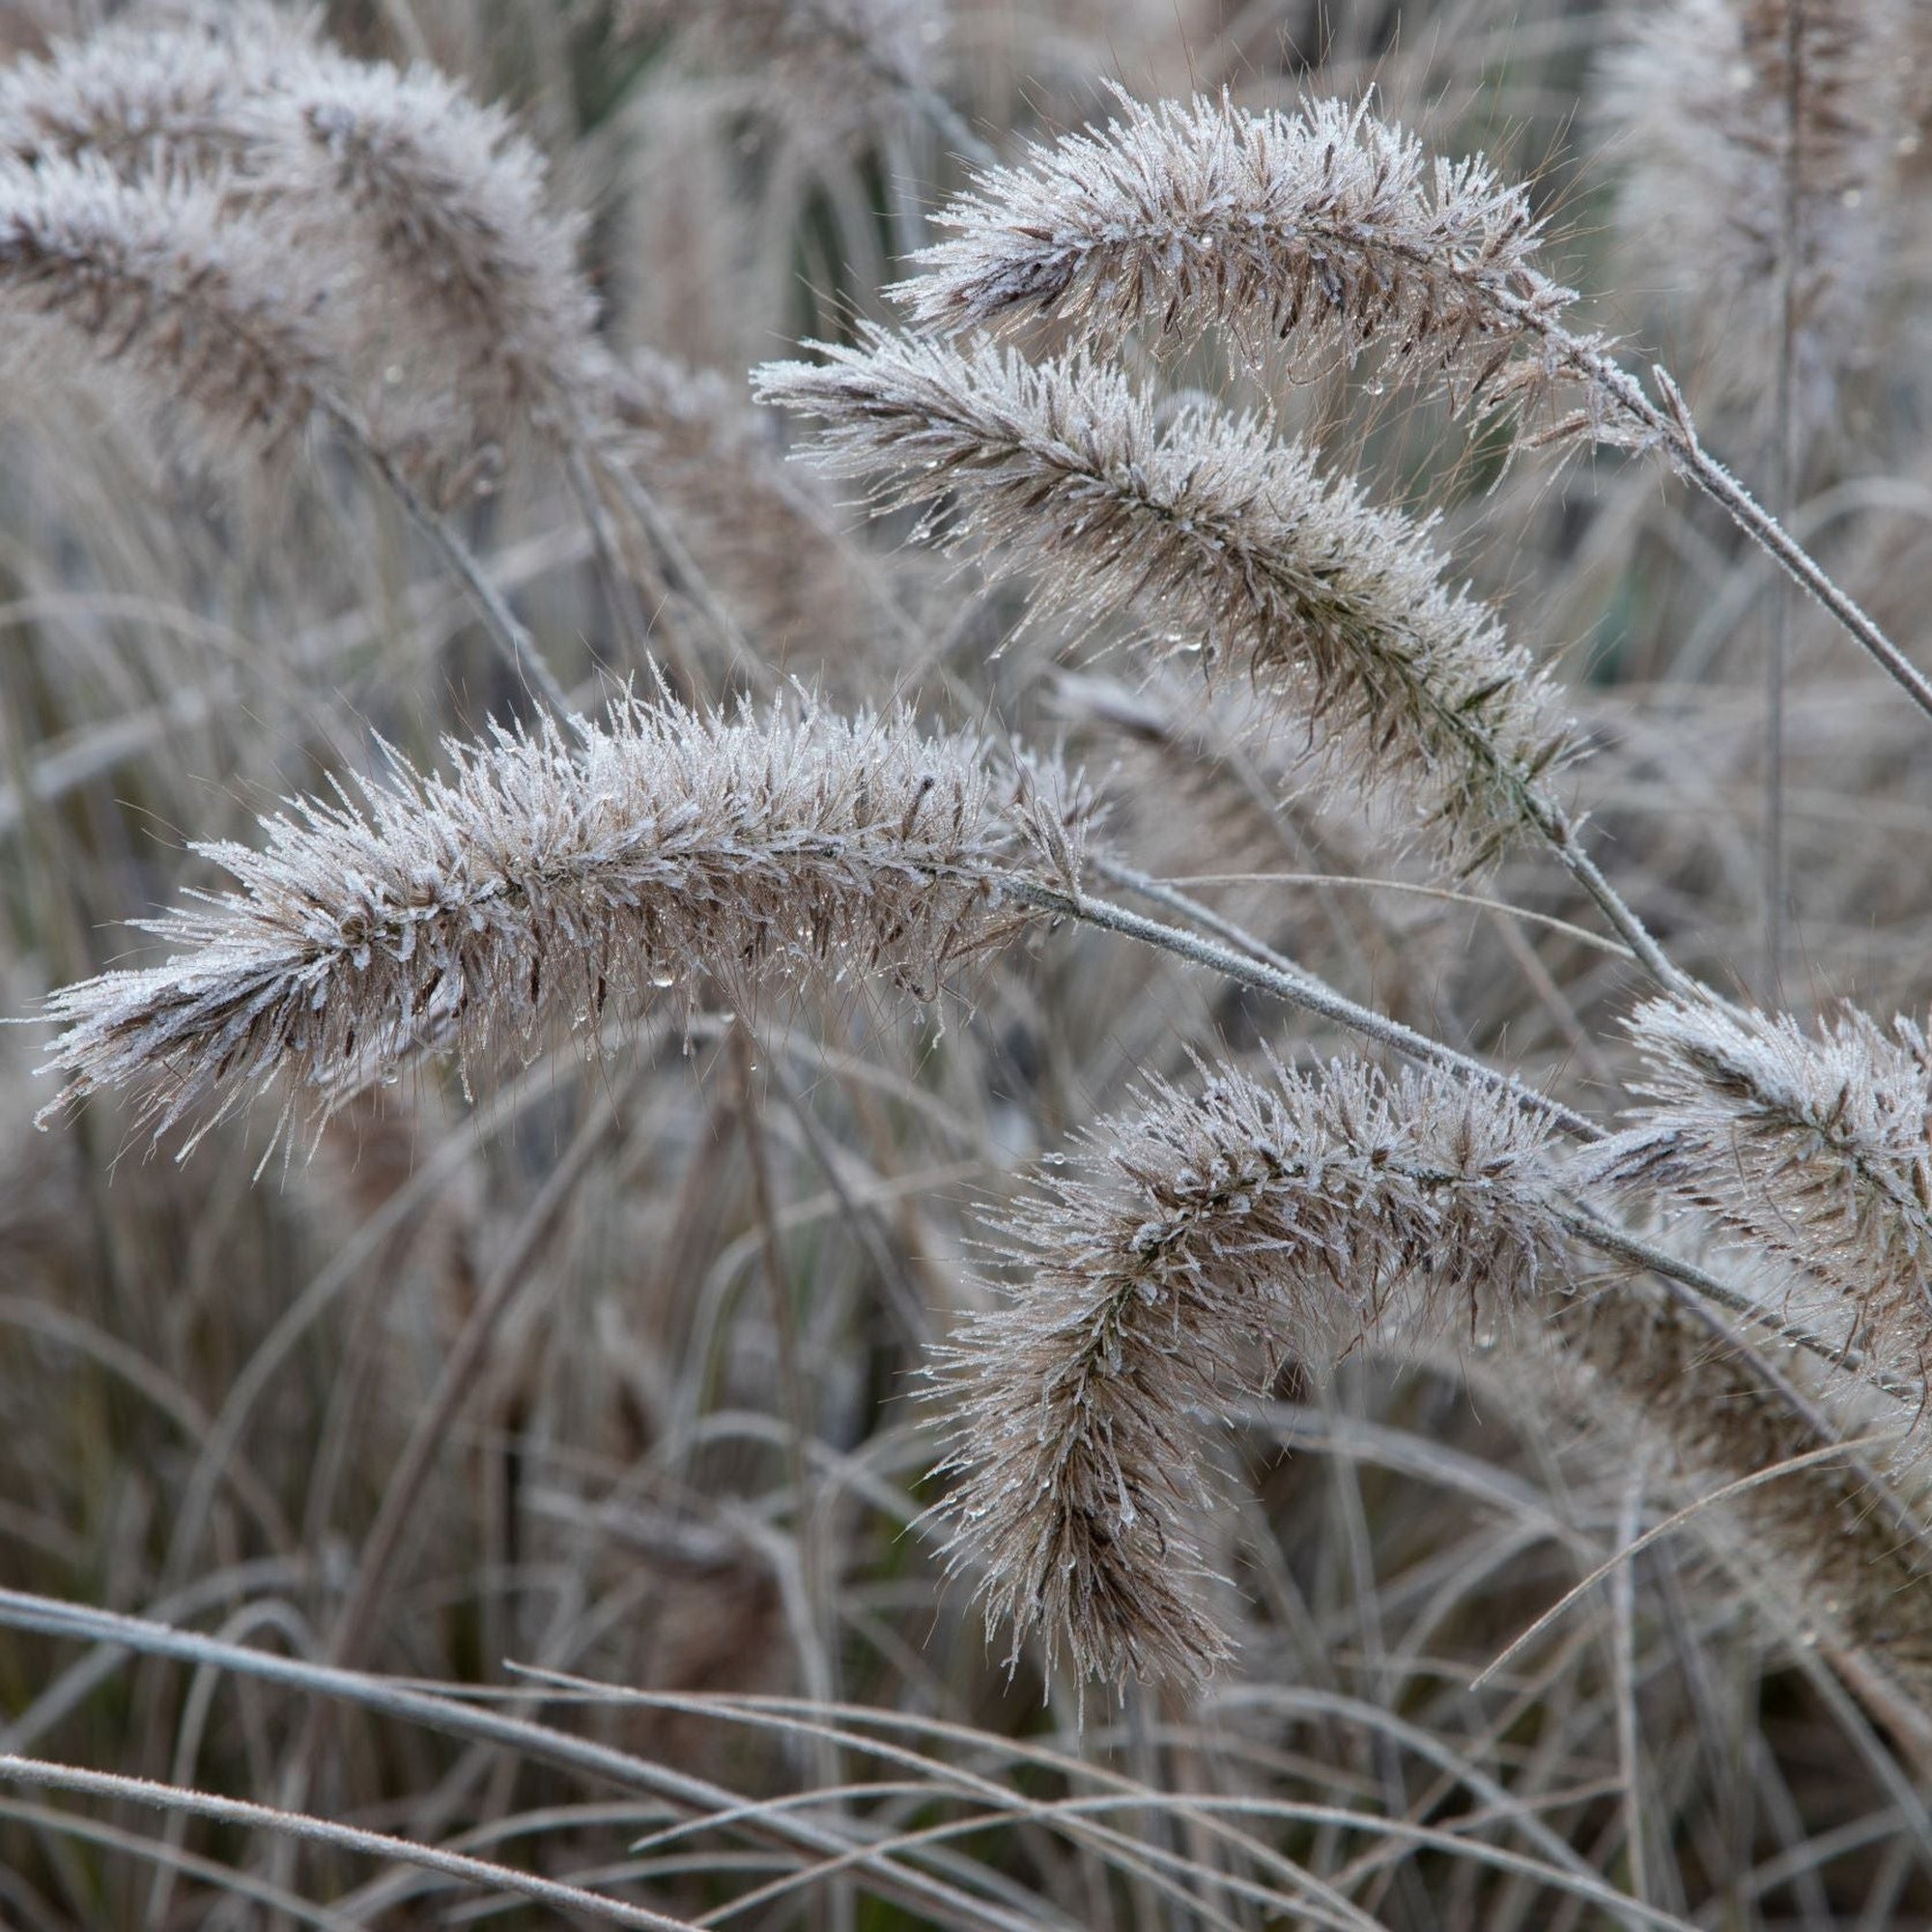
x: 1182, y: 1252
x: 1202, y: 520
x: 1325, y: 226
x: 1814, y: 1145
x: 547, y: 883
x: 159, y: 278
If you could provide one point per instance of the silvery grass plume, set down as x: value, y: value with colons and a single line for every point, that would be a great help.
x: 1184, y: 1250
x: 1183, y: 750
x: 427, y: 212
x: 1846, y: 1563
x: 548, y: 882
x: 1762, y: 139
x: 157, y: 278
x: 739, y: 504
x: 1321, y: 225
x: 1288, y: 579
x: 435, y: 212
x: 1326, y: 225
x: 1814, y: 1145
x: 148, y: 94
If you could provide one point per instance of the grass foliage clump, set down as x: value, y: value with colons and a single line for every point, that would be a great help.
x: 972, y: 964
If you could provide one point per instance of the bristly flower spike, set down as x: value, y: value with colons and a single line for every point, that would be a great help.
x: 1326, y: 225
x: 1181, y: 1252
x: 151, y: 95
x: 1762, y: 139
x: 1221, y: 534
x: 547, y: 883
x: 1846, y: 1558
x: 436, y: 210
x: 1333, y: 227
x: 160, y: 279
x: 1816, y: 1146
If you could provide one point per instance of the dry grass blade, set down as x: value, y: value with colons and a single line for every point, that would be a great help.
x: 236, y: 1811
x: 456, y: 1717
x: 1225, y: 1817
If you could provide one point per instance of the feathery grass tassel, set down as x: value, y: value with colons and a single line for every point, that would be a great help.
x: 438, y: 209
x: 1814, y: 1145
x: 547, y: 883
x: 426, y: 212
x: 1763, y: 140
x: 1294, y: 581
x: 151, y: 95
x: 1183, y: 1249
x: 1849, y: 1568
x: 1323, y: 226
x: 159, y: 278
x: 1319, y: 226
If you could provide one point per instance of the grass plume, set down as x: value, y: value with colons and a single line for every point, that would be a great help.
x: 1326, y: 225
x: 156, y: 277
x: 600, y: 1366
x: 542, y: 883
x: 1190, y: 1249
x: 1230, y: 539
x: 425, y: 214
x: 1833, y: 1555
x: 1209, y: 213
x: 1762, y: 139
x: 438, y: 210
x: 1814, y: 1145
x: 149, y: 94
